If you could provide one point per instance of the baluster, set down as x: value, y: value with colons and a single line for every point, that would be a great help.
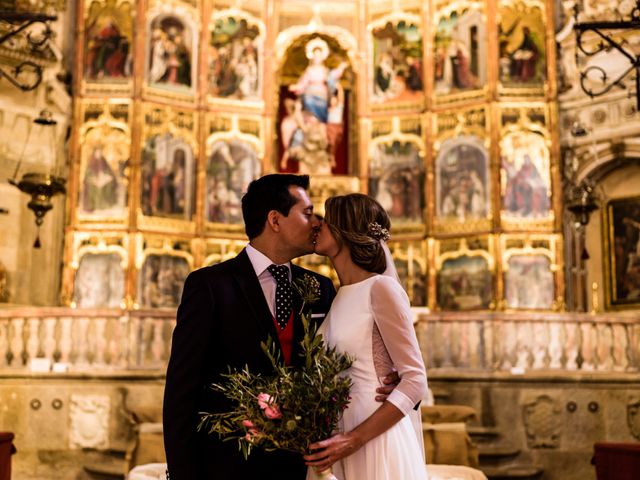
x: 523, y: 345
x: 634, y: 346
x: 17, y: 343
x: 604, y: 347
x: 113, y: 350
x: 475, y: 345
x: 588, y: 342
x: 4, y: 343
x: 32, y: 339
x: 540, y: 341
x: 82, y: 341
x: 49, y: 341
x: 100, y: 340
x: 509, y: 345
x: 157, y: 344
x: 555, y: 345
x: 620, y: 347
x: 572, y: 348
x: 489, y: 331
x: 448, y: 343
x: 463, y: 353
x: 134, y: 354
x: 66, y: 341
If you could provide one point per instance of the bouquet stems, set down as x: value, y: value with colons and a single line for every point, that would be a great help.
x: 326, y: 475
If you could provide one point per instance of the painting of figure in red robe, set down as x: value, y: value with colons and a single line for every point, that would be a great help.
x: 108, y: 40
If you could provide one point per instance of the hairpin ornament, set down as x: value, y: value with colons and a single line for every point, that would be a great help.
x: 376, y: 231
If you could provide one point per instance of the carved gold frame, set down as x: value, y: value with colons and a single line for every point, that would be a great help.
x: 221, y: 102
x: 393, y: 17
x: 529, y: 241
x: 442, y: 100
x: 142, y: 254
x: 190, y: 15
x: 234, y: 133
x: 524, y: 125
x: 463, y: 128
x: 113, y: 88
x: 396, y: 134
x: 170, y: 225
x: 463, y: 250
x: 98, y: 243
x: 544, y: 90
x: 405, y: 250
x: 104, y: 122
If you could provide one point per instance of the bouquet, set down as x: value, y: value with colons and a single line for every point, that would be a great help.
x: 293, y: 407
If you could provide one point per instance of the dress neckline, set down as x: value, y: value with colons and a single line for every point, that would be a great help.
x: 375, y: 275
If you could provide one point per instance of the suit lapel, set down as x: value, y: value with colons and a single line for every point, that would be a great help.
x: 245, y: 277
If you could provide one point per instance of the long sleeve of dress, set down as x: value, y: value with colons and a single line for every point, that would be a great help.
x: 392, y: 314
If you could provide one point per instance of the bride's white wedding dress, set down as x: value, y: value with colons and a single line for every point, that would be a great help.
x: 371, y: 320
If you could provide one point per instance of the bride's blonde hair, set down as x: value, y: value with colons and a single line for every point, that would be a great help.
x: 360, y: 223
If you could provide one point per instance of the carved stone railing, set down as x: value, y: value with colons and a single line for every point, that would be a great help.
x: 525, y: 342
x: 83, y: 340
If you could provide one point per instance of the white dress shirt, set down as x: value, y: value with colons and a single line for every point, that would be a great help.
x: 260, y: 264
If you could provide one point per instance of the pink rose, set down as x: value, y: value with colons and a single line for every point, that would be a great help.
x: 248, y: 423
x: 252, y: 434
x: 272, y: 412
x: 264, y: 399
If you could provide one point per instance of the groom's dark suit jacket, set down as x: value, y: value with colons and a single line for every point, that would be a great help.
x: 222, y: 318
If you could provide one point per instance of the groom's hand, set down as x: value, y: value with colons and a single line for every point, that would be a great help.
x: 390, y: 382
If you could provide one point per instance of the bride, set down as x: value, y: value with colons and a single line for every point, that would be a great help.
x: 370, y: 319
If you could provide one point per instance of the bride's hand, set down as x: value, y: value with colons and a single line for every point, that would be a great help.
x: 331, y: 450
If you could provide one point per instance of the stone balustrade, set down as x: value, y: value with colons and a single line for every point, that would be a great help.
x: 82, y: 340
x: 525, y: 342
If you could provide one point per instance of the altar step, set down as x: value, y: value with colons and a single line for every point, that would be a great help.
x: 496, y: 454
x: 107, y: 464
x: 481, y: 435
x: 513, y: 472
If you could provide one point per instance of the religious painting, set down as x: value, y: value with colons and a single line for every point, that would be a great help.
x: 99, y: 281
x: 525, y: 176
x: 396, y: 180
x: 171, y: 53
x: 521, y: 45
x: 622, y: 252
x: 462, y: 180
x: 161, y: 280
x: 314, y: 110
x: 108, y: 41
x: 234, y: 62
x: 529, y: 282
x: 231, y: 166
x: 168, y: 177
x: 104, y: 173
x: 413, y: 280
x: 460, y: 51
x: 465, y: 283
x: 397, y: 61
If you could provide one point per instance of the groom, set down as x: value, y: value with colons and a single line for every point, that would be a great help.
x: 226, y: 311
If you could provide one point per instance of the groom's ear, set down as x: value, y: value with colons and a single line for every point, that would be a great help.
x: 273, y: 219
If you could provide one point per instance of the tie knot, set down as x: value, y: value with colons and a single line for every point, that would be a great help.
x: 279, y: 272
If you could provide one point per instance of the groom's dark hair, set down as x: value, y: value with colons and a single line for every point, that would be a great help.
x: 267, y: 193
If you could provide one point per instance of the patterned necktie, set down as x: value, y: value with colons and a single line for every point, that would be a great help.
x: 283, y: 293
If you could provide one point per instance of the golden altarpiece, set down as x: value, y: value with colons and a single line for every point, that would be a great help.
x: 442, y: 111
